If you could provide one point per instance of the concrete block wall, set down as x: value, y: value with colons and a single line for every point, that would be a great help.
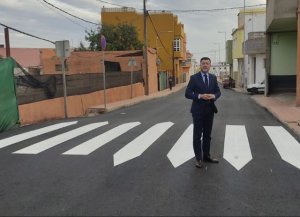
x: 77, y: 105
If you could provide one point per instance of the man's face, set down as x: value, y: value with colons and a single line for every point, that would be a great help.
x: 205, y: 65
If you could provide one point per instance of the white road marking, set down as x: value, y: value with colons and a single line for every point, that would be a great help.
x: 287, y: 146
x: 182, y: 151
x: 56, y: 140
x: 23, y: 136
x: 141, y: 143
x: 98, y: 141
x: 236, y: 146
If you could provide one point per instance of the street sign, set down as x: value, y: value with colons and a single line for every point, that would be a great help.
x: 103, y: 42
x: 158, y: 61
x: 62, y: 48
x: 132, y: 62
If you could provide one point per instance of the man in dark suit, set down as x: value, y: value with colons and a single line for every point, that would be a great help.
x: 203, y: 89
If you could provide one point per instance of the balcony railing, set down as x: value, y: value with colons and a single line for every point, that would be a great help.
x: 123, y: 9
x: 255, y: 46
x: 186, y: 64
x: 255, y: 35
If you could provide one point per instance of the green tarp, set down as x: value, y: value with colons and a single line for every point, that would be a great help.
x: 9, y: 113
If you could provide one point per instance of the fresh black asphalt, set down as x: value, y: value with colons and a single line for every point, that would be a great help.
x: 52, y: 184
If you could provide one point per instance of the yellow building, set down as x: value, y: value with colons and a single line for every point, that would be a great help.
x: 164, y: 33
x: 237, y: 43
x: 237, y: 54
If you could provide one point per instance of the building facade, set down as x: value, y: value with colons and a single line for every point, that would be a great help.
x: 248, y: 47
x: 164, y: 33
x: 237, y: 56
x: 282, y: 46
x: 254, y: 47
x: 229, y: 59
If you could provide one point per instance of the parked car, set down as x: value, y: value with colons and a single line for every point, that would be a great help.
x: 256, y: 88
x: 228, y: 82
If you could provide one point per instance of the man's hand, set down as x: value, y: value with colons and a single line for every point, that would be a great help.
x: 207, y: 96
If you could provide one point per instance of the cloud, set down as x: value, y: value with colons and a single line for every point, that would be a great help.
x: 37, y: 18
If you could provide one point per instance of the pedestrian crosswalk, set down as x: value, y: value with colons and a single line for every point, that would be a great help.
x: 21, y: 137
x: 98, y: 141
x: 141, y: 143
x: 236, y: 146
x: 237, y: 149
x: 286, y: 144
x: 56, y: 140
x: 182, y: 151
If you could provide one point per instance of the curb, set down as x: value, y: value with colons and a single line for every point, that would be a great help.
x: 100, y: 110
x: 277, y: 117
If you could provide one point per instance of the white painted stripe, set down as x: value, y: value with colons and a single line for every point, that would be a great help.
x: 287, y: 146
x: 236, y: 146
x: 98, y: 141
x: 56, y: 140
x: 141, y: 143
x: 182, y: 151
x: 23, y: 136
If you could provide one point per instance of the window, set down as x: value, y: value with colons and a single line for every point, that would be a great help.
x: 176, y: 44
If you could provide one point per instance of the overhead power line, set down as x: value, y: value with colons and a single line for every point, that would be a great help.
x: 69, y: 13
x: 123, y: 6
x: 188, y: 10
x: 158, y: 35
x: 208, y: 10
x: 26, y: 33
x: 60, y: 13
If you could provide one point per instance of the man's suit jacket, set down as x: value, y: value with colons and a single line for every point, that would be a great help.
x: 195, y: 87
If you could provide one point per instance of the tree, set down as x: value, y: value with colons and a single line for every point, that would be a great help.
x: 81, y: 47
x: 119, y: 37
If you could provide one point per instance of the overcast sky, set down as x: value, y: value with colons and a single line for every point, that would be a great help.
x: 38, y: 18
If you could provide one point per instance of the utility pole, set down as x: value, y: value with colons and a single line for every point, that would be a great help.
x: 103, y: 47
x: 146, y: 50
x: 63, y: 51
x: 7, y: 46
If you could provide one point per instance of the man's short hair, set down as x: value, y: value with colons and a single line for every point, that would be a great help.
x: 205, y: 58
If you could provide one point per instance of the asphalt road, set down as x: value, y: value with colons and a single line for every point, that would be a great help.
x: 44, y: 174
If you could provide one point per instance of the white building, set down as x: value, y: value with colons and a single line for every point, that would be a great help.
x: 220, y: 69
x: 254, y: 48
x: 194, y: 67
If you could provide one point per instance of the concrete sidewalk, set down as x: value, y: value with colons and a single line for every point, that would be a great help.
x: 282, y: 106
x: 125, y: 103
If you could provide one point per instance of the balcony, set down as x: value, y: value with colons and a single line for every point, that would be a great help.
x: 282, y: 15
x: 256, y: 43
x: 185, y: 64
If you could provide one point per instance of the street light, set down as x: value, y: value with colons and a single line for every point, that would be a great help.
x: 225, y: 44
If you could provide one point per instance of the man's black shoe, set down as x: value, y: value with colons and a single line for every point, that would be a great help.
x: 211, y: 160
x: 199, y: 164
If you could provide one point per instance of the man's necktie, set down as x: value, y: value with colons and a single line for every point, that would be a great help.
x: 206, y: 80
